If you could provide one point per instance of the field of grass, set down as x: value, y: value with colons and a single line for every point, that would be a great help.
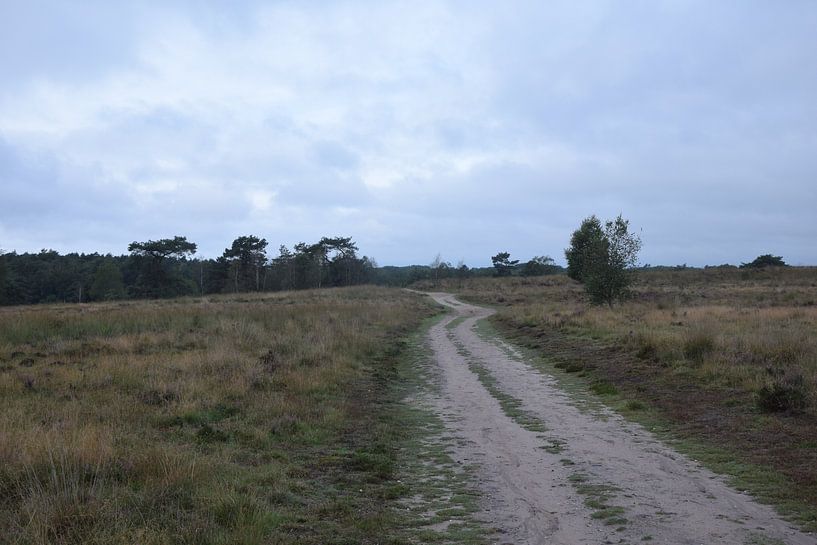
x: 229, y: 419
x: 728, y: 357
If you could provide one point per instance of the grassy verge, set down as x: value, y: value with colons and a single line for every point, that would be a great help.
x: 247, y: 419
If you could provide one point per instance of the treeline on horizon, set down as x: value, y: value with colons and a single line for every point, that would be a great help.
x: 168, y: 268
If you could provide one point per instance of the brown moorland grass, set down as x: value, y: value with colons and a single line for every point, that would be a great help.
x: 727, y: 356
x: 229, y: 419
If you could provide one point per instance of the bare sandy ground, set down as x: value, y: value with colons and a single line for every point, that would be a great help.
x: 528, y: 478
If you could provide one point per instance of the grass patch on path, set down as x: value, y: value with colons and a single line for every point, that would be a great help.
x: 597, y: 498
x: 511, y: 406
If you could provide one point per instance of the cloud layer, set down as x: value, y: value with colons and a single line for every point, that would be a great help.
x: 416, y: 127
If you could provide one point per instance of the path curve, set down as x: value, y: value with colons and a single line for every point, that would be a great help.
x: 535, y: 483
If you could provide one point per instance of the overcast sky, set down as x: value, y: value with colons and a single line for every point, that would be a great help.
x: 460, y: 128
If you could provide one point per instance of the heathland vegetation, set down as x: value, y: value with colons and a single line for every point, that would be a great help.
x: 228, y: 419
x: 724, y: 356
x: 224, y: 412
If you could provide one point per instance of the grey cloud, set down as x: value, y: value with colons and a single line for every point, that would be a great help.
x: 63, y: 40
x: 458, y: 128
x: 334, y: 155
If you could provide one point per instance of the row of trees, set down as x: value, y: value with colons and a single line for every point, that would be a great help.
x: 502, y: 265
x: 600, y: 256
x: 539, y: 265
x: 168, y: 268
x: 49, y: 276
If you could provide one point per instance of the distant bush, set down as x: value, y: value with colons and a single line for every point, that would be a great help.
x: 209, y: 434
x: 647, y: 351
x: 698, y: 344
x: 604, y: 388
x: 765, y: 260
x: 783, y: 393
x: 635, y: 405
x: 569, y: 367
x: 540, y: 266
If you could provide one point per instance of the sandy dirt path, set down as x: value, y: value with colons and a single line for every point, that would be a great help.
x: 581, y: 477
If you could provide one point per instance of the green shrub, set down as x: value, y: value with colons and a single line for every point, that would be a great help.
x: 569, y: 366
x: 698, y: 345
x: 783, y: 393
x: 209, y: 434
x: 604, y: 388
x: 647, y: 351
x: 635, y: 405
